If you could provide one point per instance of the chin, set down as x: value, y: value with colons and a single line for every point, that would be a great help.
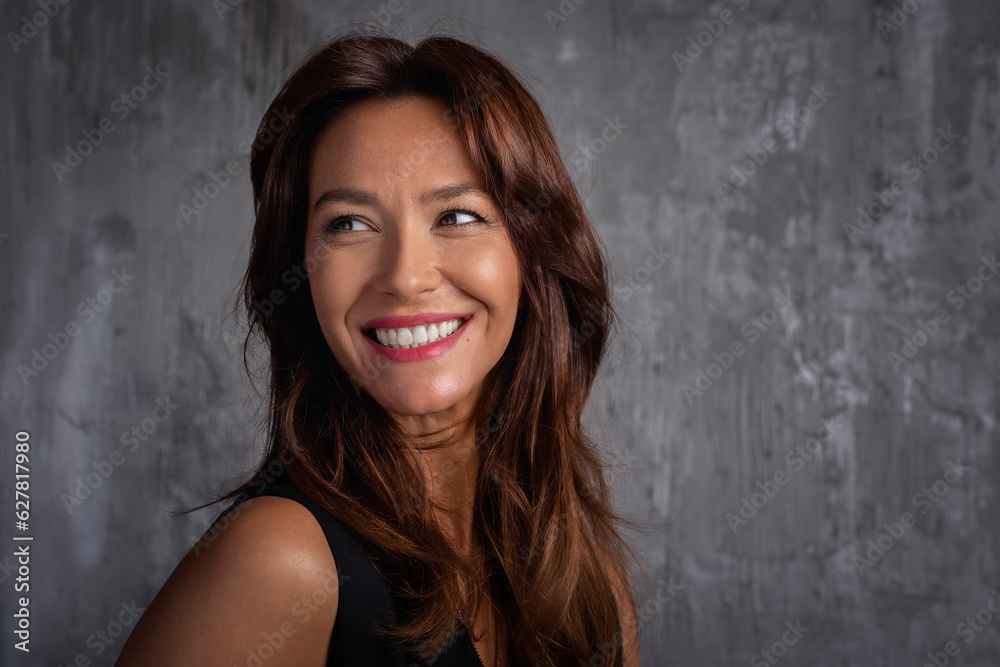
x: 417, y: 401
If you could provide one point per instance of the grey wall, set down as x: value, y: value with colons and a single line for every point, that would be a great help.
x: 722, y: 585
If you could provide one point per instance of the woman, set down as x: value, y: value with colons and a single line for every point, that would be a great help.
x: 436, y: 306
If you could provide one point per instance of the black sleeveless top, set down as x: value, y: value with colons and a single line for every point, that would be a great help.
x: 364, y: 600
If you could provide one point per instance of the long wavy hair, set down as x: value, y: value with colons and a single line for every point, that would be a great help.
x: 554, y: 555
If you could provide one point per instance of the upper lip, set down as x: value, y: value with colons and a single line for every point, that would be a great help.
x: 396, y: 321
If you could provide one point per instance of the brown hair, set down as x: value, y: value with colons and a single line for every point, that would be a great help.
x: 554, y: 552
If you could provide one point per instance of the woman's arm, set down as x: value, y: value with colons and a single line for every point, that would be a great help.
x: 265, y: 585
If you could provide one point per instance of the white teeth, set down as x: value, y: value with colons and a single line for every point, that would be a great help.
x: 410, y: 337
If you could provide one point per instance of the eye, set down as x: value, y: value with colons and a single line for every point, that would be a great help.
x: 461, y: 218
x: 337, y: 224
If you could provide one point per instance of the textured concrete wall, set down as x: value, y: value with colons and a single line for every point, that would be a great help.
x: 814, y: 480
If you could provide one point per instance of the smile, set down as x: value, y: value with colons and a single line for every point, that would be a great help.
x: 409, y: 338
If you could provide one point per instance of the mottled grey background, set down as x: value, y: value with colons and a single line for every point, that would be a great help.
x: 720, y: 590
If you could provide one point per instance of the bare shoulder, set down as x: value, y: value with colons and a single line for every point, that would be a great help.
x: 262, y: 582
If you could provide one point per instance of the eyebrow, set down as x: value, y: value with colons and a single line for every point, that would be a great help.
x: 366, y: 198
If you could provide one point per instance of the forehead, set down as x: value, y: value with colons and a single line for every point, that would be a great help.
x: 390, y: 144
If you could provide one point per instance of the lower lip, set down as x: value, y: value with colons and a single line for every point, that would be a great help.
x: 428, y: 351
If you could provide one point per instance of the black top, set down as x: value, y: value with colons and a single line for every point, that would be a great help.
x: 364, y: 599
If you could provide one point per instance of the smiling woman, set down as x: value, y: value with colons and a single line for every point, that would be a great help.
x: 429, y: 495
x: 413, y: 268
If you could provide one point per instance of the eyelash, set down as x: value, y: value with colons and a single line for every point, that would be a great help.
x: 329, y: 227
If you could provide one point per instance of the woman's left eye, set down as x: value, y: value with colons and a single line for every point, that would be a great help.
x: 459, y: 218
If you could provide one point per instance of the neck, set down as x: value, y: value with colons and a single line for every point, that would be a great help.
x: 452, y: 473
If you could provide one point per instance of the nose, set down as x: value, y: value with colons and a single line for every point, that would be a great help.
x: 408, y: 262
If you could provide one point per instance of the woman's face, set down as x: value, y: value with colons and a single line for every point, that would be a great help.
x: 415, y: 282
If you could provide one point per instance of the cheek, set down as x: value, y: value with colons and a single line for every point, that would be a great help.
x: 491, y: 273
x: 506, y: 273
